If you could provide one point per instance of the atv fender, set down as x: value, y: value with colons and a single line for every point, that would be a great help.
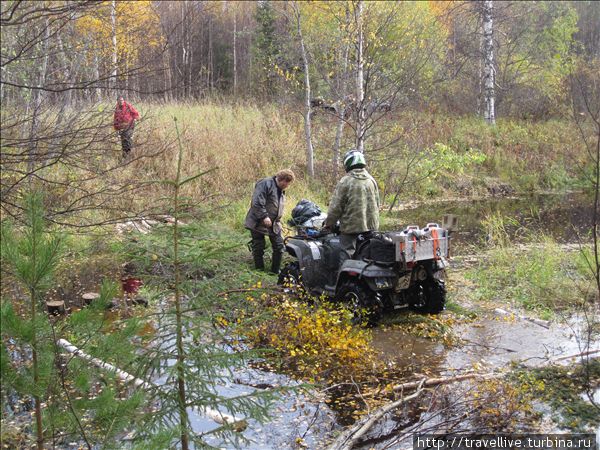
x: 293, y: 250
x: 377, y: 277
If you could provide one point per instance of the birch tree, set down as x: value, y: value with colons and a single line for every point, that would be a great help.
x: 489, y: 73
x: 341, y: 86
x: 307, y: 94
x: 360, y: 80
x: 115, y: 48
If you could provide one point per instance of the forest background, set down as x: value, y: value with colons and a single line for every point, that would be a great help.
x: 446, y: 99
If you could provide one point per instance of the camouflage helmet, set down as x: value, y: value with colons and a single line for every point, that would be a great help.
x: 353, y: 159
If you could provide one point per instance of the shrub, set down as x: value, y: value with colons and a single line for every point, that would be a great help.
x: 313, y: 342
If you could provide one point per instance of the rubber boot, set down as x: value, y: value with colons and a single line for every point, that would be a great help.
x: 259, y: 262
x: 276, y: 262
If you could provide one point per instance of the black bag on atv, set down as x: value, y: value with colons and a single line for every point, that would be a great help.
x: 304, y: 210
x: 375, y: 246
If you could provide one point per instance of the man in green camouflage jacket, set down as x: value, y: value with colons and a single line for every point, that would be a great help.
x: 355, y: 203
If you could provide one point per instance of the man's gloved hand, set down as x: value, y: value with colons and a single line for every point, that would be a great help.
x: 267, y: 222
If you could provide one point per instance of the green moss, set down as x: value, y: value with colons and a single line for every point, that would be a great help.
x: 564, y: 388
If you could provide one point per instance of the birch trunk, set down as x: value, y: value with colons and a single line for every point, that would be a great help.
x: 113, y: 21
x: 489, y: 113
x: 360, y: 88
x: 341, y: 96
x: 211, y: 78
x: 308, y: 111
x: 97, y: 75
x: 235, y: 74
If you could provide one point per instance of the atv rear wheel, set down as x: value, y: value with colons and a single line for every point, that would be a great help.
x: 290, y: 277
x: 429, y: 297
x: 362, y: 301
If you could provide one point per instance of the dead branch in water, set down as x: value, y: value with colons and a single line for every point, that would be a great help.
x: 349, y: 437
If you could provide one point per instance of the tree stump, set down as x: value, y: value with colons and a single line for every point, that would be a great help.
x: 89, y: 297
x: 140, y: 301
x: 56, y: 307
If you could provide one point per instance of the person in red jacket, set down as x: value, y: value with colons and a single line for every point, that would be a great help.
x: 124, y: 123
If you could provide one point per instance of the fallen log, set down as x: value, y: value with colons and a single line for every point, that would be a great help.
x: 429, y: 382
x: 578, y: 355
x: 542, y: 323
x: 351, y: 436
x: 213, y: 414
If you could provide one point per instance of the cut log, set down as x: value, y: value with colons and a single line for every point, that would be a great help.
x: 217, y: 416
x: 428, y: 382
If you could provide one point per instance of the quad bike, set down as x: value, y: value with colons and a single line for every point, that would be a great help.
x: 387, y: 271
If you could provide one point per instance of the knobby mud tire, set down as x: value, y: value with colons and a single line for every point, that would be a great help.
x: 362, y: 301
x: 430, y: 298
x: 290, y: 277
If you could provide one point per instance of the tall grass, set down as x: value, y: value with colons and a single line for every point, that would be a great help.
x: 540, y: 276
x: 245, y: 142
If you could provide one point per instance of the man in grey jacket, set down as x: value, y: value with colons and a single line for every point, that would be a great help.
x: 264, y: 217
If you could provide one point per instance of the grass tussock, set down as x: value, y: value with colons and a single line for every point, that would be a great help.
x: 540, y: 276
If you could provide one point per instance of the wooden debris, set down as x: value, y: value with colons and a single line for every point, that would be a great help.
x: 144, y: 225
x: 56, y: 307
x: 540, y: 322
x: 213, y: 414
x: 429, y: 382
x: 350, y: 437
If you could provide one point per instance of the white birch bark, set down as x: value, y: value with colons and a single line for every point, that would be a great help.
x: 341, y: 96
x: 97, y: 76
x: 307, y: 94
x: 360, y: 83
x: 235, y: 72
x: 218, y: 416
x: 489, y: 113
x: 113, y: 21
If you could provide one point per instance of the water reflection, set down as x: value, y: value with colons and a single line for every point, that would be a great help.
x: 566, y: 217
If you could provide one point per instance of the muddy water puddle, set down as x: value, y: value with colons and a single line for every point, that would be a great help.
x: 562, y: 216
x: 492, y: 340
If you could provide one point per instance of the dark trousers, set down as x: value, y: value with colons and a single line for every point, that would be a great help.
x: 348, y: 244
x: 258, y: 250
x: 126, y: 140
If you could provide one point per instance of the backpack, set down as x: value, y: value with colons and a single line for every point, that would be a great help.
x: 303, y: 211
x: 375, y: 246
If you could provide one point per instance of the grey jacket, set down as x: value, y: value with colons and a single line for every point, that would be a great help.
x: 267, y: 201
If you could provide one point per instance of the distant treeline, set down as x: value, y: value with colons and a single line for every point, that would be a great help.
x: 411, y: 54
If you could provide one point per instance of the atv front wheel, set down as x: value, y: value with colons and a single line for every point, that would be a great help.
x: 429, y: 297
x: 362, y: 301
x: 290, y: 276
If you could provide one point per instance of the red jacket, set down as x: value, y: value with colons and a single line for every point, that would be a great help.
x: 125, y: 116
